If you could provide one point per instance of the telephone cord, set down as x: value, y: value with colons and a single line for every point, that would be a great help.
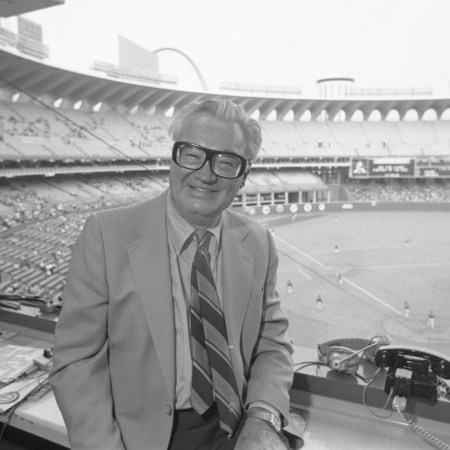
x: 424, y: 434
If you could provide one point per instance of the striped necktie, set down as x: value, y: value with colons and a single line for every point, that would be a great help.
x: 213, y: 377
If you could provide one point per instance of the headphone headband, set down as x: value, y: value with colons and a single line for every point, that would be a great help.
x: 344, y: 354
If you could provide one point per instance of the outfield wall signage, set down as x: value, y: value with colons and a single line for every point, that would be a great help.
x: 391, y: 167
x: 386, y: 167
x: 432, y: 169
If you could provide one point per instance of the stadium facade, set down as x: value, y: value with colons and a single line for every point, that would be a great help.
x: 311, y: 146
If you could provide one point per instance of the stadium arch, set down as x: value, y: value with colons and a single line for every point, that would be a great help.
x: 190, y: 61
x: 357, y: 116
x: 412, y: 115
x: 430, y: 114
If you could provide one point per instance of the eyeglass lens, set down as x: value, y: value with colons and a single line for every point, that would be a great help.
x: 222, y: 164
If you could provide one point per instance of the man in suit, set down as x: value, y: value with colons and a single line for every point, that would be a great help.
x: 123, y: 372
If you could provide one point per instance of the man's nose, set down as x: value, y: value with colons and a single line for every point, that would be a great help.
x: 205, y: 173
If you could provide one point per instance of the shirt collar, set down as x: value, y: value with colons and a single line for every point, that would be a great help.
x: 180, y: 229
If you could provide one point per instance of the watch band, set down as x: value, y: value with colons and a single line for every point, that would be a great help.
x: 264, y: 414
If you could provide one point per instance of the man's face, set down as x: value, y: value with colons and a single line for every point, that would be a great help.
x: 200, y: 195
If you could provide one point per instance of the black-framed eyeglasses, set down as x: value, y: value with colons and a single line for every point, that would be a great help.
x: 223, y: 164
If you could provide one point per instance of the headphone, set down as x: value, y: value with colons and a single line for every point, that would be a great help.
x: 344, y: 354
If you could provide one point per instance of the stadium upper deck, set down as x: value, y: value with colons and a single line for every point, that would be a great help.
x: 50, y: 84
x: 58, y: 121
x: 32, y: 132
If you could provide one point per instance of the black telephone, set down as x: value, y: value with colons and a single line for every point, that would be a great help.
x: 412, y: 370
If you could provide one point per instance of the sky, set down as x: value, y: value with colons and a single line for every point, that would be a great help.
x: 379, y: 43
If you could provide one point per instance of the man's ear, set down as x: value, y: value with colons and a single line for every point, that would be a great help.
x: 244, y: 178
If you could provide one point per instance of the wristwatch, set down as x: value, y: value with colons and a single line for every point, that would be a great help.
x: 264, y: 414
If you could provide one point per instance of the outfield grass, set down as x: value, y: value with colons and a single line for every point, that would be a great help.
x: 384, y: 259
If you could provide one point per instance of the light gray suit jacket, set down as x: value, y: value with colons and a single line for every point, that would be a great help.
x: 114, y: 357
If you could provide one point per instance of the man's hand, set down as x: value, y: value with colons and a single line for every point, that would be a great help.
x: 256, y: 434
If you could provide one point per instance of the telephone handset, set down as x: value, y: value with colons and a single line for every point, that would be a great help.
x: 412, y: 370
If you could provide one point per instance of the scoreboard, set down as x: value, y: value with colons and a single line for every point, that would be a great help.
x: 400, y: 167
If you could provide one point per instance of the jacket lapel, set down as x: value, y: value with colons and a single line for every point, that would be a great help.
x: 149, y: 257
x: 238, y: 270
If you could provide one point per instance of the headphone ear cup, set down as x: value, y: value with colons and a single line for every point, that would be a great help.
x: 336, y: 354
x: 344, y: 355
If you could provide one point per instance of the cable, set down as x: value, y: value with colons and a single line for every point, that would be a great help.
x: 422, y: 433
x: 307, y: 364
x: 369, y: 379
x: 366, y: 380
x: 40, y: 385
x: 373, y: 408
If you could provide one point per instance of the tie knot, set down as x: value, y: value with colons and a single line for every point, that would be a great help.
x: 203, y: 237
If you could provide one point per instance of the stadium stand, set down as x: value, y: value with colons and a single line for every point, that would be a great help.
x: 33, y: 132
x: 63, y: 156
x: 399, y: 192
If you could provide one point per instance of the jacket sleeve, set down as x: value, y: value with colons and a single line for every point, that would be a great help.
x: 80, y: 378
x: 271, y: 371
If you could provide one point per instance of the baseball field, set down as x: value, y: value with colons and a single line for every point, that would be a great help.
x: 377, y: 273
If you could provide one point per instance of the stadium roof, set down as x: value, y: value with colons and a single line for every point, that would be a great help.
x: 49, y: 83
x: 10, y: 8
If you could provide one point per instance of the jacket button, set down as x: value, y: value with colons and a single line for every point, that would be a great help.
x: 168, y: 410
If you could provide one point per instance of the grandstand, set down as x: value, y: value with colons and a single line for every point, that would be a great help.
x: 71, y: 143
